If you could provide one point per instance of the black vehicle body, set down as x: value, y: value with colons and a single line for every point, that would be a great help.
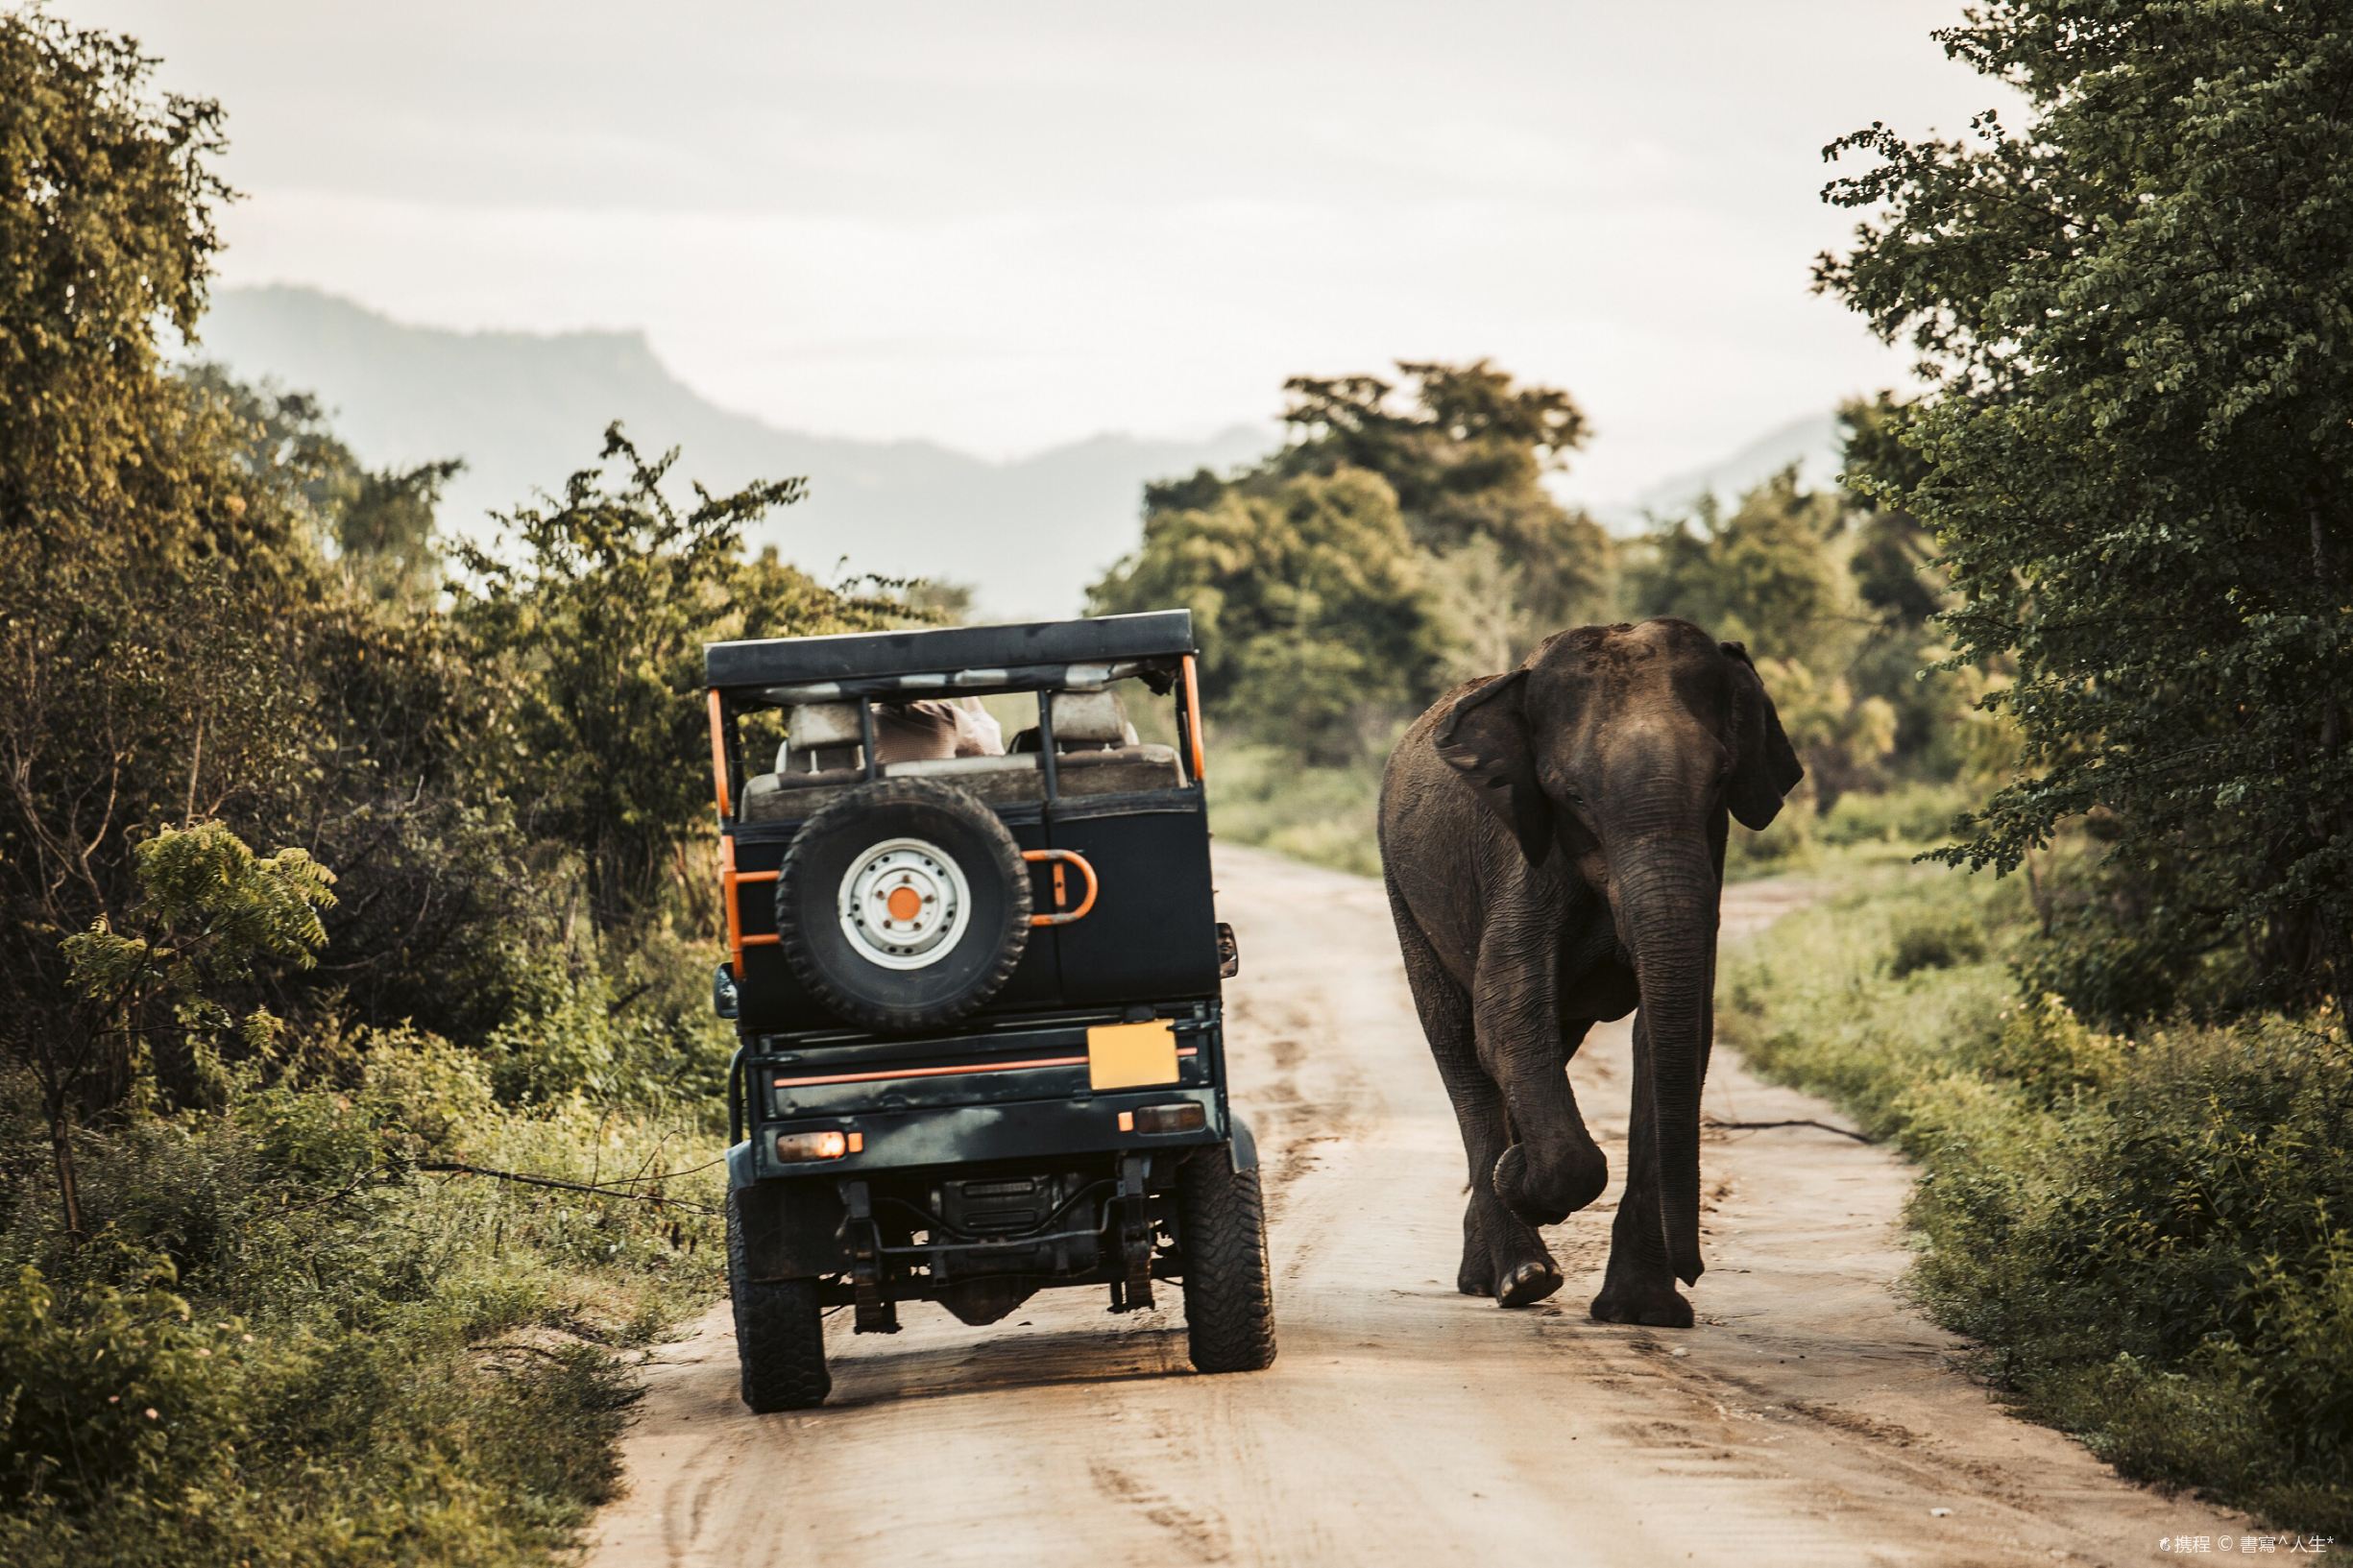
x: 1043, y: 1138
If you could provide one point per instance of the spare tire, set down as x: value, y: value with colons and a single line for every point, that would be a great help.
x: 904, y: 905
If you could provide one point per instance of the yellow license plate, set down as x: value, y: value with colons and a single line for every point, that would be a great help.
x: 1130, y: 1055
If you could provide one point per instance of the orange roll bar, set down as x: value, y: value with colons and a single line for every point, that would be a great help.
x: 719, y: 753
x: 1061, y: 858
x: 1193, y: 719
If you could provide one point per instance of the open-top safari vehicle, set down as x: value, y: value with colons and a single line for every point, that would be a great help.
x: 977, y: 991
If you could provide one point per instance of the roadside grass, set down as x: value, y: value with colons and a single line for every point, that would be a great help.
x: 290, y: 1342
x: 2146, y: 1239
x: 1261, y: 796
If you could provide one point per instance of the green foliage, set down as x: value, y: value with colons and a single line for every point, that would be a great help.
x: 1393, y: 547
x: 265, y: 1296
x: 1769, y: 574
x: 377, y: 524
x: 2138, y: 456
x: 1905, y: 816
x: 1775, y: 575
x: 106, y: 235
x: 1309, y: 601
x: 211, y: 916
x: 292, y: 1345
x: 2144, y: 1235
x: 219, y: 913
x: 1467, y: 458
x: 1932, y: 941
x: 114, y: 1392
x: 597, y: 608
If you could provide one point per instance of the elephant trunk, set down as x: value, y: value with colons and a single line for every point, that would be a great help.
x: 1667, y: 896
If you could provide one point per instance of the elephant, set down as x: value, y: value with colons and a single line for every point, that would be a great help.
x: 1552, y: 839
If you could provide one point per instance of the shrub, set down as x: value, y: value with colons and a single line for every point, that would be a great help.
x: 2147, y: 1236
x: 1918, y: 942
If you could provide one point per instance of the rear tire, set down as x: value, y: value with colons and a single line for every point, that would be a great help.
x: 1228, y: 1287
x: 780, y: 1332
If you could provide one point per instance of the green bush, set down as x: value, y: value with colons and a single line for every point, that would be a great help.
x: 2145, y: 1237
x: 350, y: 1357
x: 1919, y: 942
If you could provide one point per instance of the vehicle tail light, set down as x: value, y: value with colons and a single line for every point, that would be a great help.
x: 812, y: 1146
x: 1185, y: 1115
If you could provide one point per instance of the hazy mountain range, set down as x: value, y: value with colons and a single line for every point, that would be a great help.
x: 524, y: 410
x: 1811, y: 442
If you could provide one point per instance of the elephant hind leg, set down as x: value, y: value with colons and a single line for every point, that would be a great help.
x: 1502, y: 1257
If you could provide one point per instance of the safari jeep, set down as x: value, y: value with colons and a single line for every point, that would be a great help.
x: 976, y: 986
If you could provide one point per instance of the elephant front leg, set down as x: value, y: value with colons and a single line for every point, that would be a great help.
x: 1503, y: 1257
x: 1553, y: 1167
x: 1640, y: 1287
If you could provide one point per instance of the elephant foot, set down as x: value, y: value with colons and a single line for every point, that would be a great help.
x: 1569, y: 1188
x: 1517, y: 1273
x: 1524, y: 1283
x: 1528, y: 1282
x: 1660, y: 1306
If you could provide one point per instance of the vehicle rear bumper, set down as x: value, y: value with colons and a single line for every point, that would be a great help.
x: 952, y: 1135
x: 1004, y: 1095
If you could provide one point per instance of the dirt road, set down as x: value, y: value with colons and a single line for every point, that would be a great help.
x: 1808, y: 1418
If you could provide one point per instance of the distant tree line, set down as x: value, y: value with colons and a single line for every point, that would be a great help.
x: 1406, y: 538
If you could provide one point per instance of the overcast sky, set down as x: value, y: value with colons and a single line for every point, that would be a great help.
x: 1010, y: 225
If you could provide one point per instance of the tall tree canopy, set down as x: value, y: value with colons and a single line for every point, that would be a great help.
x: 1467, y: 448
x: 1312, y: 606
x: 2138, y: 454
x: 1404, y: 538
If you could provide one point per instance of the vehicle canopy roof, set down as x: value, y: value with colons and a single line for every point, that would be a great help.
x: 951, y: 659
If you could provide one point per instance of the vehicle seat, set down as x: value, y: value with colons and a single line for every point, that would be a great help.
x: 1097, y: 752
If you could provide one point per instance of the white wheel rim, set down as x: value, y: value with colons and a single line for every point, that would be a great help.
x: 904, y: 904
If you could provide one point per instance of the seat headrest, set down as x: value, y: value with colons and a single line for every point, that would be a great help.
x: 814, y: 724
x: 1094, y: 717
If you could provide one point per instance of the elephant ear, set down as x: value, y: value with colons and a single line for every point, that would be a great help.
x: 1485, y: 737
x: 1764, y: 767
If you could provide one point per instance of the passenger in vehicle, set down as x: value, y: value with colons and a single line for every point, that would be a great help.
x: 929, y: 728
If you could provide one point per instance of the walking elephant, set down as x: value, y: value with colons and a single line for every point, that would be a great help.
x: 1553, y: 843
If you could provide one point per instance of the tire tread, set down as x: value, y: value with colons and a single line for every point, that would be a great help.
x: 1229, y: 1285
x: 780, y: 1333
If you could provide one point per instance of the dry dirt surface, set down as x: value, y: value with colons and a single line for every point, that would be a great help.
x: 1810, y: 1417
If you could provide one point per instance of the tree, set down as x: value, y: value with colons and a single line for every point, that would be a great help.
x: 594, y: 610
x: 106, y: 235
x: 210, y: 916
x: 1892, y: 556
x: 1770, y: 573
x: 1310, y: 605
x: 2137, y: 452
x: 1403, y: 539
x: 377, y: 524
x: 1466, y: 456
